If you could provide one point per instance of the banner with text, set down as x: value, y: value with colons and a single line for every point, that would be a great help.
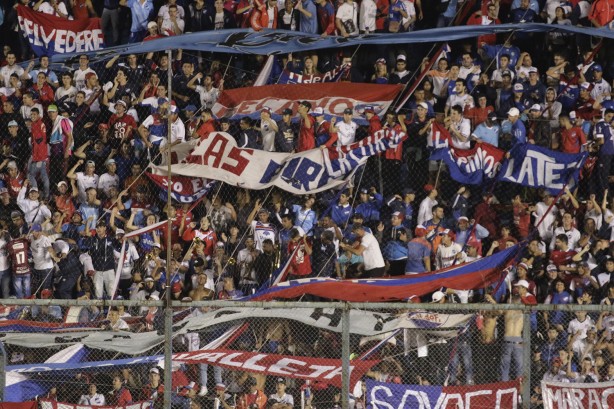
x: 311, y: 171
x: 471, y: 166
x: 289, y: 77
x: 301, y: 367
x: 333, y: 98
x: 51, y: 404
x: 49, y: 35
x: 184, y: 189
x: 563, y: 395
x: 399, y: 396
x: 534, y: 166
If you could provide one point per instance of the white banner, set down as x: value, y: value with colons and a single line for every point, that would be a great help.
x: 565, y: 395
x: 219, y: 158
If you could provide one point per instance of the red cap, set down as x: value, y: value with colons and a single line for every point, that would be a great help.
x: 429, y: 188
x: 46, y: 294
x: 176, y: 287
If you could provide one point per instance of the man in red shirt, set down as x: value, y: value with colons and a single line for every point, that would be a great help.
x: 601, y: 13
x: 306, y: 136
x: 375, y: 124
x: 207, y: 124
x: 121, y: 125
x: 572, y: 137
x: 300, y: 266
x: 40, y: 153
x: 523, y: 291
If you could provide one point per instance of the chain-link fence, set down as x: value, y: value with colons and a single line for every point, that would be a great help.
x: 230, y: 354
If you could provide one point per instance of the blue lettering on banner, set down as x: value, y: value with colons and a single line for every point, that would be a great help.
x: 271, y: 171
x: 301, y: 172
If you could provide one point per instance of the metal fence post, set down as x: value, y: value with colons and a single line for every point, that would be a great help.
x: 168, y: 310
x: 345, y: 356
x: 527, y: 361
x: 2, y: 371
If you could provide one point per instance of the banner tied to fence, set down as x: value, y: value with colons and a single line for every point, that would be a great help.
x: 565, y: 395
x: 399, y: 396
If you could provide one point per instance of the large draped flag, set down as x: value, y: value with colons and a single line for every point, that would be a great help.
x: 49, y: 35
x: 473, y: 275
x: 219, y: 157
x: 332, y: 97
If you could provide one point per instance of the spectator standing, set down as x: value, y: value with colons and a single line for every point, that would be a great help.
x: 306, y: 137
x: 308, y: 18
x: 140, y: 11
x: 103, y: 260
x: 369, y: 249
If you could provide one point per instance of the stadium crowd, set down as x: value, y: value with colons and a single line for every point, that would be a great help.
x: 76, y: 144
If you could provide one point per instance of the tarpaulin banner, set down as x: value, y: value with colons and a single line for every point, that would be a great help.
x: 268, y: 42
x: 289, y: 77
x: 333, y: 98
x: 301, y: 367
x: 19, y: 405
x: 184, y: 189
x: 399, y: 396
x: 473, y: 275
x: 51, y: 404
x: 49, y: 35
x: 219, y: 157
x: 364, y: 323
x: 534, y: 166
x: 471, y: 166
x: 564, y: 395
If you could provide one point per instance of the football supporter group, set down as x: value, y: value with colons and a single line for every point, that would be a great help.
x: 77, y: 141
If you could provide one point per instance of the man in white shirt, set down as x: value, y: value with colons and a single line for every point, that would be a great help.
x: 53, y: 7
x: 346, y: 19
x: 10, y: 68
x: 43, y: 256
x: 425, y: 211
x: 370, y: 251
x: 283, y: 400
x: 368, y: 14
x: 346, y: 130
x: 601, y: 88
x: 85, y: 180
x: 573, y: 235
x: 448, y: 251
x: 81, y: 72
x: 110, y: 178
x: 459, y: 127
x: 173, y: 25
x: 92, y: 398
x: 34, y: 211
x: 539, y: 211
x: 460, y: 97
x: 164, y: 14
x: 268, y: 129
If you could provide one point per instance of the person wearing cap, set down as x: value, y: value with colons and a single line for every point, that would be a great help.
x: 85, y: 179
x: 419, y: 251
x: 43, y: 256
x: 285, y: 138
x: 109, y: 178
x: 533, y: 88
x: 518, y: 131
x: 400, y: 74
x: 370, y: 204
x: 344, y: 133
x: 153, y: 32
x: 604, y: 136
x: 154, y: 390
x: 306, y: 136
x: 281, y: 399
x: 121, y: 125
x: 103, y: 261
x: 448, y: 252
x: 34, y: 210
x: 393, y: 240
x: 488, y: 131
x: 601, y: 89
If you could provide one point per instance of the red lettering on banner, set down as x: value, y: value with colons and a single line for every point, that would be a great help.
x: 216, y: 150
x: 271, y: 364
x: 557, y: 395
x: 236, y: 154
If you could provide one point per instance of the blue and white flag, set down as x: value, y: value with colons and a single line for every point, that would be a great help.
x: 534, y: 166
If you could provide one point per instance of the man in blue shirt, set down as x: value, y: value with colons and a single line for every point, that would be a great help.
x: 519, y: 132
x: 140, y: 9
x: 308, y: 22
x: 604, y: 135
x: 488, y: 131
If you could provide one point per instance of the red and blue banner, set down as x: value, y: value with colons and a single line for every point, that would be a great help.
x: 469, y: 276
x: 534, y: 166
x: 334, y: 75
x: 49, y: 35
x: 471, y: 166
x: 399, y: 396
x: 332, y: 97
x: 184, y: 189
